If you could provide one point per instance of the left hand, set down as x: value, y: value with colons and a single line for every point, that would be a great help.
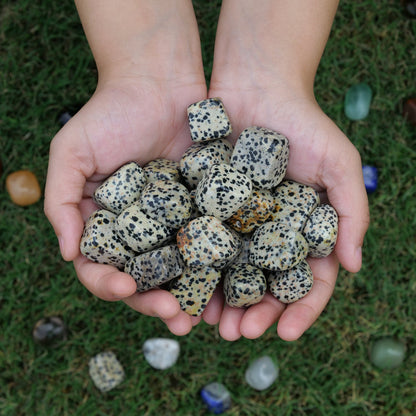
x: 321, y: 156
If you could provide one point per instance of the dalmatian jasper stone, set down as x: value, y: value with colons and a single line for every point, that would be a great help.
x: 200, y: 157
x: 195, y: 212
x: 243, y: 255
x: 121, y: 189
x: 276, y: 246
x: 155, y: 267
x: 208, y: 120
x: 321, y: 231
x: 294, y: 202
x: 244, y: 285
x: 141, y: 232
x: 205, y: 240
x: 254, y: 212
x: 168, y: 202
x: 222, y: 191
x: 100, y: 242
x: 262, y: 155
x: 224, y: 263
x: 194, y: 288
x: 162, y: 170
x: 288, y: 286
x: 106, y: 371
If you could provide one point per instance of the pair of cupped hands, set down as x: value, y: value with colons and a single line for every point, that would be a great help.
x: 142, y: 117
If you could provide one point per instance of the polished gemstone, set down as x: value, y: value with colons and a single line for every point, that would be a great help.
x: 409, y: 109
x: 410, y: 7
x: 370, y: 178
x: 387, y: 353
x: 49, y: 330
x: 106, y: 371
x: 161, y: 353
x: 357, y: 101
x: 262, y: 373
x: 23, y: 188
x: 216, y: 397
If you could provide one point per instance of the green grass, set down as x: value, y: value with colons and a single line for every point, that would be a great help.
x: 46, y: 67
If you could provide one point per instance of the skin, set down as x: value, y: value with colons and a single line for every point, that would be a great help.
x: 150, y: 69
x: 265, y: 77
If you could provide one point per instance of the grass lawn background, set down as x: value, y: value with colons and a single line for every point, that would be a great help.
x: 45, y: 68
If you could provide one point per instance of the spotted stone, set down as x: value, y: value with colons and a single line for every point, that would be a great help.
x: 100, y: 242
x: 222, y: 191
x: 321, y: 231
x: 208, y: 120
x: 139, y: 231
x: 205, y: 240
x: 293, y: 203
x: 200, y: 157
x: 106, y: 371
x: 254, y: 212
x: 224, y: 263
x: 195, y: 211
x: 244, y: 285
x: 275, y: 246
x: 155, y: 267
x: 168, y: 202
x: 262, y: 155
x: 194, y: 288
x: 162, y: 170
x: 244, y: 253
x: 121, y: 189
x: 291, y: 285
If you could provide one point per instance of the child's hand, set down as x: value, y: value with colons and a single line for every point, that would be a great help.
x: 320, y: 156
x: 125, y: 120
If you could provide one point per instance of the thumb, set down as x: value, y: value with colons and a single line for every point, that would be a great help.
x: 64, y: 191
x: 347, y: 194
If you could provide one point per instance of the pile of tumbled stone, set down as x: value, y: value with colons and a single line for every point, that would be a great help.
x: 221, y: 212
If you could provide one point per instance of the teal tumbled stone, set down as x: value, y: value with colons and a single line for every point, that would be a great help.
x: 357, y: 101
x: 387, y: 353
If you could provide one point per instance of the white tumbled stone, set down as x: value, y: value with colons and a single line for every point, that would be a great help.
x: 161, y: 353
x: 262, y: 373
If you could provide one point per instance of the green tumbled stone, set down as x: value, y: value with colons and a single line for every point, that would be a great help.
x: 387, y: 353
x: 357, y: 102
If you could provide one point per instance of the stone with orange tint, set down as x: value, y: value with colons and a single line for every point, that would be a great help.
x: 23, y: 187
x: 254, y: 212
x: 205, y: 240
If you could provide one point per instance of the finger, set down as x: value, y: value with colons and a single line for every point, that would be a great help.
x: 229, y: 326
x: 195, y: 320
x: 157, y: 303
x: 180, y: 324
x: 258, y: 318
x: 212, y: 312
x: 104, y: 281
x: 347, y: 194
x: 63, y: 192
x: 300, y: 315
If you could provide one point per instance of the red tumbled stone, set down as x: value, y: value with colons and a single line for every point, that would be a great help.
x: 409, y: 110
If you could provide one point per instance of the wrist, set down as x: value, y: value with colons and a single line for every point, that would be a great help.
x: 137, y: 38
x: 280, y: 41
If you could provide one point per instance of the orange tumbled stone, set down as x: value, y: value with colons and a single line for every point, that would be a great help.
x: 23, y: 187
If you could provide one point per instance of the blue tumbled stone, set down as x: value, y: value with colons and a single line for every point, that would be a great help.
x: 370, y: 178
x: 216, y: 397
x: 357, y: 101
